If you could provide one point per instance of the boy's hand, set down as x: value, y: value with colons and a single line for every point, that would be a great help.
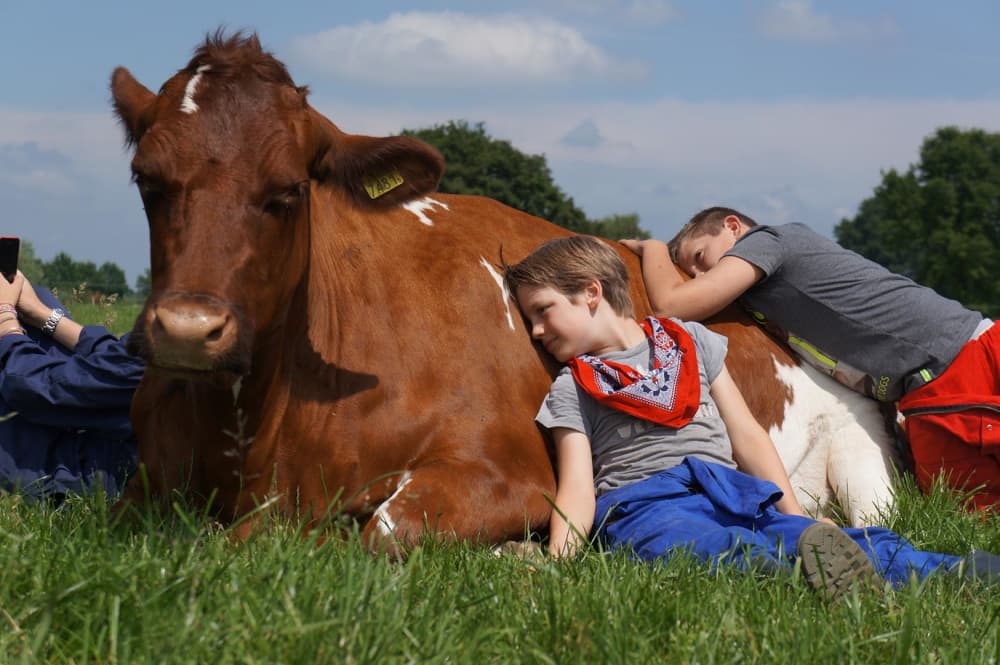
x: 634, y: 244
x: 640, y: 247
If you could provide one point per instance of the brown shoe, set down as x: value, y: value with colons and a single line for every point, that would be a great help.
x: 832, y: 562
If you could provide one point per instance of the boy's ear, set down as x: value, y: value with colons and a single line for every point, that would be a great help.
x: 733, y: 223
x: 594, y: 293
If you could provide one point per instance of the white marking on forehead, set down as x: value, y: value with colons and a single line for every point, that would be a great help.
x: 418, y: 208
x: 383, y: 520
x: 504, y: 291
x: 187, y: 104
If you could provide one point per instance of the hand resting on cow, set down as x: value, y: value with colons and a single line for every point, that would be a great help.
x: 653, y: 438
x: 879, y: 333
x: 65, y: 393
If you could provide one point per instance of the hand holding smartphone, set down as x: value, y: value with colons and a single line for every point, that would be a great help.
x: 10, y: 247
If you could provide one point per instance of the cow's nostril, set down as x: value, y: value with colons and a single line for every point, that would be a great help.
x: 215, y: 334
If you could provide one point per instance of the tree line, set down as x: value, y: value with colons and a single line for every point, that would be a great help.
x: 66, y: 274
x: 937, y: 223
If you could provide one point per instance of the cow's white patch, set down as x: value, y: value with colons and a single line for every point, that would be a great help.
x: 834, y: 443
x: 420, y: 208
x: 188, y: 104
x: 383, y: 520
x: 504, y: 291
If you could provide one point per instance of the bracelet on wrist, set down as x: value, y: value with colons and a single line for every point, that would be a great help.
x: 49, y: 327
x: 11, y: 330
x: 7, y: 307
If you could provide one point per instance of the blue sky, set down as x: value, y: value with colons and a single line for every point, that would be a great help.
x: 788, y: 109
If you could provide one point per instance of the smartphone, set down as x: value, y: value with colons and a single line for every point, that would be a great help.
x: 10, y: 247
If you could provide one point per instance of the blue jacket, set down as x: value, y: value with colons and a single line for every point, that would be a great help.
x: 70, y: 431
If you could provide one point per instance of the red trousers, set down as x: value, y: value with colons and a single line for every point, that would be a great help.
x: 953, y: 422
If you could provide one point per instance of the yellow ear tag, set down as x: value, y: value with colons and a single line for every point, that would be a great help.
x: 376, y: 187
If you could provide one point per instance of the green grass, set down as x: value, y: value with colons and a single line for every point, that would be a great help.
x: 75, y: 587
x: 117, y: 316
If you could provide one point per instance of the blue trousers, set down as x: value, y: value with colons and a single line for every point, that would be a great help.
x: 719, y: 514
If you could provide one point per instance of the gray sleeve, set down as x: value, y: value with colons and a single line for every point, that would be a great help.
x: 561, y: 407
x: 711, y: 348
x: 761, y: 247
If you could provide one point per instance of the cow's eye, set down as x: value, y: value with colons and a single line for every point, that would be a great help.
x: 147, y: 186
x: 285, y: 201
x: 150, y: 190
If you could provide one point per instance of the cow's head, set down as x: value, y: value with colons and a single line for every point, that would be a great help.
x: 225, y: 156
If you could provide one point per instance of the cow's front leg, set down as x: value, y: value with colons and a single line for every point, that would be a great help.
x: 469, y: 501
x: 861, y: 466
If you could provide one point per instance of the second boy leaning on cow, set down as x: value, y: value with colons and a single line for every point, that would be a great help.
x: 651, y: 435
x: 877, y: 332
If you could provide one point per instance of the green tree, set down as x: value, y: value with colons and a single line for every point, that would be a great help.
x: 110, y: 279
x: 481, y: 165
x: 29, y: 264
x: 143, y: 283
x: 64, y: 273
x: 939, y: 222
x: 617, y: 227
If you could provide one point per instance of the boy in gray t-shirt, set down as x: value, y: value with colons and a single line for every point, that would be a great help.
x: 877, y: 332
x: 649, y: 429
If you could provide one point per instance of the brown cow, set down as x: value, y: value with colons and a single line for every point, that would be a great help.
x: 320, y: 333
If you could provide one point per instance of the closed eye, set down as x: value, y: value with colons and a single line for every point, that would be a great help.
x: 145, y: 184
x: 286, y: 200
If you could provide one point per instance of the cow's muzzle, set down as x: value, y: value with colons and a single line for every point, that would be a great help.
x: 192, y: 333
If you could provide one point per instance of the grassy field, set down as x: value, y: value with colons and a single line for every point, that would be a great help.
x: 76, y: 587
x: 116, y: 316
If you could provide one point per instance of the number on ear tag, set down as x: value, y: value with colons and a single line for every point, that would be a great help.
x: 376, y: 187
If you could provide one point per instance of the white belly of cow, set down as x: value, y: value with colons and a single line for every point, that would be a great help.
x: 834, y: 444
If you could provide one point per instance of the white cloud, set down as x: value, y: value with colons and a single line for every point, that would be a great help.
x: 798, y: 21
x: 453, y: 50
x: 92, y: 141
x: 46, y: 181
x: 645, y: 12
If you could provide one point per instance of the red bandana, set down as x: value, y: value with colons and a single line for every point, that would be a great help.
x: 668, y: 394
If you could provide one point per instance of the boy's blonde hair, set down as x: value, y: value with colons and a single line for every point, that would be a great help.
x: 706, y: 222
x: 568, y: 265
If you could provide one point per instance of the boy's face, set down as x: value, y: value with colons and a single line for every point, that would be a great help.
x: 561, y: 323
x: 699, y: 254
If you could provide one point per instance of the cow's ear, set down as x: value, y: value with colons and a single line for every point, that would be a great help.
x: 378, y: 172
x: 132, y: 101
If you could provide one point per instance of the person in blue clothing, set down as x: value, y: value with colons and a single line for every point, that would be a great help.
x: 65, y: 394
x: 657, y: 451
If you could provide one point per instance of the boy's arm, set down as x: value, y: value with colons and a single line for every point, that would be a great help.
x: 752, y: 447
x: 573, y: 515
x: 695, y: 299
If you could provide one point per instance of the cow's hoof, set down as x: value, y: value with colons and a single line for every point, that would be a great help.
x: 528, y: 550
